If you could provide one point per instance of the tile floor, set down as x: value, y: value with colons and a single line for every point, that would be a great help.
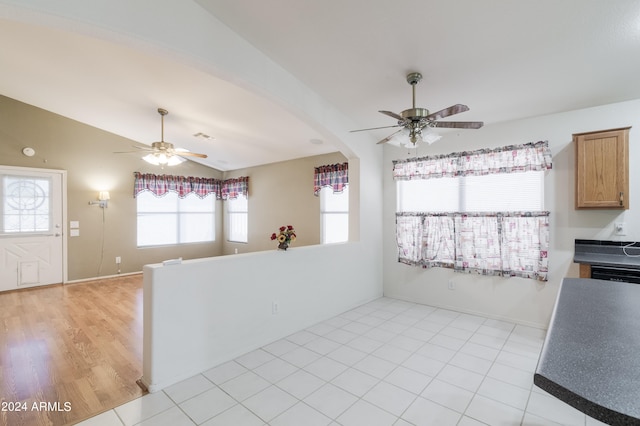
x: 387, y: 362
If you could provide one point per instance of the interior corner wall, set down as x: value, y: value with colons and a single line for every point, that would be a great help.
x: 281, y: 194
x: 88, y: 156
x: 515, y: 299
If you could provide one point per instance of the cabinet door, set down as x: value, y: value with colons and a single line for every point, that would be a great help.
x: 602, y: 169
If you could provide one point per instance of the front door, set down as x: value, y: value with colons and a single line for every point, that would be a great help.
x: 31, y: 227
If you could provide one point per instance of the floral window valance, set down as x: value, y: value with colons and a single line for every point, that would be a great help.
x: 335, y: 176
x: 508, y: 159
x: 513, y: 244
x: 159, y: 185
x: 232, y: 188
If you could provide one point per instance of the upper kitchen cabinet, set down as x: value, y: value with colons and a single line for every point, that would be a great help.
x: 602, y: 169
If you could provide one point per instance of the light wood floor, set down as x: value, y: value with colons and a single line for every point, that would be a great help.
x: 74, y: 350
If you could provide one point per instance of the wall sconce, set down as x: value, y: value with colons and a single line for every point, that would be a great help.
x: 103, y: 199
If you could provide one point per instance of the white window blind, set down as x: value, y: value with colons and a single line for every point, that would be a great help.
x: 334, y: 215
x: 171, y: 220
x: 238, y: 219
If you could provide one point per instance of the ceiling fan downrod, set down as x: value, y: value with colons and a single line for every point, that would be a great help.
x: 413, y: 79
x: 162, y: 113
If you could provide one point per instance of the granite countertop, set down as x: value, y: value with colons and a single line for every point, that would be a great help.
x: 607, y: 253
x: 591, y: 355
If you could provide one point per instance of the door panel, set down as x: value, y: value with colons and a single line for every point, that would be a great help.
x: 31, y: 241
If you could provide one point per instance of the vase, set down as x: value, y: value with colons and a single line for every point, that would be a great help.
x: 283, y: 245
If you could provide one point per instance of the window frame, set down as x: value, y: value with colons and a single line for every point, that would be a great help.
x: 328, y: 192
x: 231, y: 212
x: 179, y: 215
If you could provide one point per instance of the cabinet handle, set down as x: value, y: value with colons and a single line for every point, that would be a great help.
x: 622, y: 198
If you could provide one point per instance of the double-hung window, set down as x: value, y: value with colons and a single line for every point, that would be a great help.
x: 235, y: 192
x: 334, y: 216
x: 170, y: 219
x: 480, y: 211
x: 238, y: 219
x: 331, y: 184
x: 175, y: 209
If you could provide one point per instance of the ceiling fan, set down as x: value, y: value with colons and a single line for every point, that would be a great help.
x: 163, y: 153
x: 414, y: 120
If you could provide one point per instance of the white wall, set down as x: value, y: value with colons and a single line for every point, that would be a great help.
x: 208, y: 311
x: 515, y: 299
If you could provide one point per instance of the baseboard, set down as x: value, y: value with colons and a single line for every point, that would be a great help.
x: 104, y: 277
x: 474, y: 312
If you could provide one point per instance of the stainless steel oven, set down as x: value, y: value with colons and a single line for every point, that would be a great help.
x: 615, y: 273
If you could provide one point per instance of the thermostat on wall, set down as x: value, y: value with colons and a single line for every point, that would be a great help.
x: 29, y: 152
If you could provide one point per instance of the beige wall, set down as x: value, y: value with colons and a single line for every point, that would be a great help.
x: 280, y: 193
x: 87, y: 155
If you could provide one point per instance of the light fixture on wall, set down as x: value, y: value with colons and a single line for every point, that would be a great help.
x: 103, y: 199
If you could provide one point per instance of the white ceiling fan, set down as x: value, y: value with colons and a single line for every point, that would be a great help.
x: 414, y: 120
x: 163, y: 153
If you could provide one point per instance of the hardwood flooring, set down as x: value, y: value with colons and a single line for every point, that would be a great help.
x: 68, y: 352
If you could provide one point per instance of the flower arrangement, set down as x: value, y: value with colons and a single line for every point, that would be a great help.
x: 285, y: 236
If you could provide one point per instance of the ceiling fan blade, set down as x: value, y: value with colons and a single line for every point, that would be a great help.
x: 190, y: 154
x: 393, y: 115
x: 375, y: 128
x: 388, y: 138
x: 453, y: 109
x: 459, y: 124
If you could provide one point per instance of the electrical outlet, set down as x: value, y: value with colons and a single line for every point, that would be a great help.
x: 275, y: 307
x: 118, y: 260
x: 451, y: 285
x: 620, y: 228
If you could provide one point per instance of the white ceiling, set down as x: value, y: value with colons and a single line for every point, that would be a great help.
x: 505, y: 59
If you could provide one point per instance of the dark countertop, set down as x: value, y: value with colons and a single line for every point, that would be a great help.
x: 607, y: 260
x: 607, y: 253
x: 591, y: 355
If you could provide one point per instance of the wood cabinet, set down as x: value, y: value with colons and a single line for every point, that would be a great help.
x: 602, y: 169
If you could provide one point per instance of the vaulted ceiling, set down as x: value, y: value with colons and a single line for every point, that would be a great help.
x: 506, y: 60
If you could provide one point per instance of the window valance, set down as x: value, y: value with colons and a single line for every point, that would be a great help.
x: 231, y: 188
x: 335, y: 176
x: 508, y: 159
x: 159, y: 185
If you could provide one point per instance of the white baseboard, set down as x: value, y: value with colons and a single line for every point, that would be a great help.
x: 104, y: 277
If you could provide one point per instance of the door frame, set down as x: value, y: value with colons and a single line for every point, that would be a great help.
x: 63, y: 194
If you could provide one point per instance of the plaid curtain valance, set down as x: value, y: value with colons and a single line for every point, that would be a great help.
x: 159, y: 185
x: 508, y: 159
x: 231, y: 188
x: 335, y: 176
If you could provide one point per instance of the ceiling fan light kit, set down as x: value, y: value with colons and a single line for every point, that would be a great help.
x: 163, y: 153
x: 417, y: 123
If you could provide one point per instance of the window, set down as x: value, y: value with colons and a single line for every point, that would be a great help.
x: 26, y: 204
x: 334, y: 216
x: 478, y: 211
x: 238, y: 218
x: 170, y: 219
x: 503, y: 192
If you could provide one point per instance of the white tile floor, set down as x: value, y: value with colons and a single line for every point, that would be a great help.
x: 388, y: 362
